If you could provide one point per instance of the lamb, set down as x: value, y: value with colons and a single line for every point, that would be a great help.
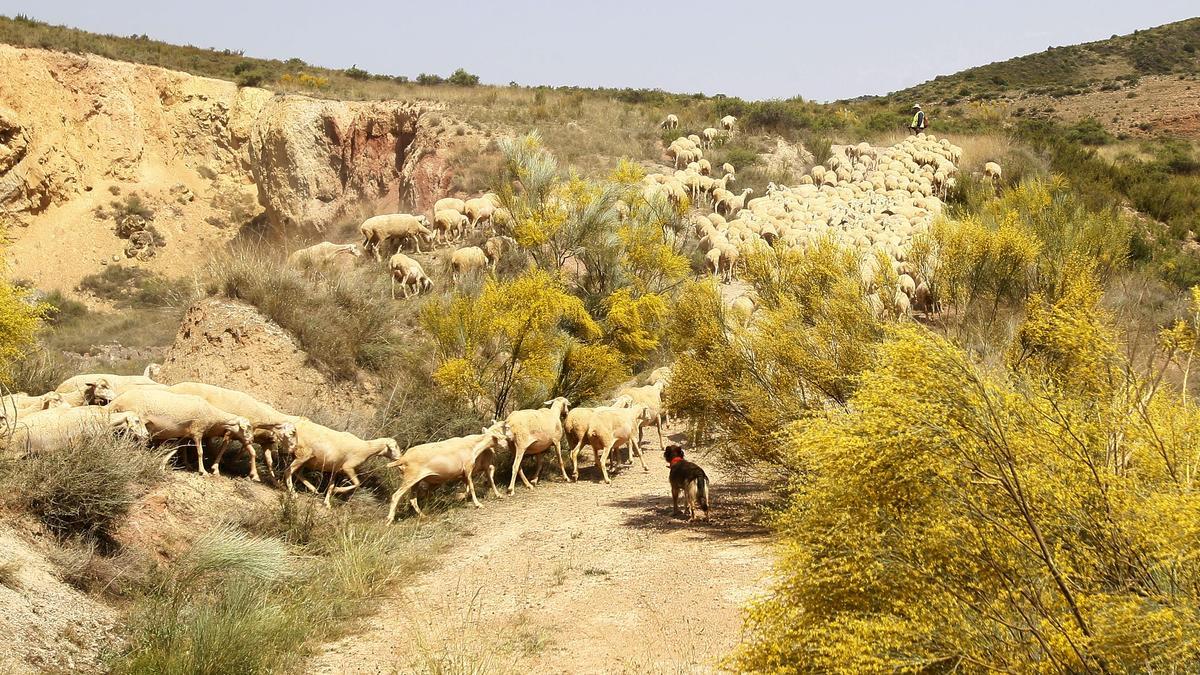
x: 454, y: 458
x: 449, y: 224
x: 378, y: 230
x: 992, y: 171
x: 467, y: 260
x: 728, y: 169
x: 671, y: 122
x: 55, y: 427
x: 170, y: 416
x: 410, y: 274
x: 728, y: 122
x: 610, y: 428
x: 329, y: 451
x: 274, y: 430
x: 710, y: 136
x: 323, y: 255
x: 534, y: 432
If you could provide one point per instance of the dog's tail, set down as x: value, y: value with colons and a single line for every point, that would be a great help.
x: 702, y: 492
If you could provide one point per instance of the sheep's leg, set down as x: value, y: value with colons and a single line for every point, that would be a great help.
x: 561, y: 466
x: 269, y: 459
x: 394, y: 287
x: 604, y: 461
x: 220, y: 455
x: 415, y: 506
x: 658, y: 426
x: 537, y: 469
x: 354, y: 481
x: 396, y: 497
x: 518, y: 455
x: 641, y: 458
x: 330, y: 490
x: 249, y: 448
x: 167, y: 458
x: 575, y: 459
x: 491, y: 474
x: 309, y: 485
x: 471, y: 489
x: 199, y: 441
x: 674, y: 500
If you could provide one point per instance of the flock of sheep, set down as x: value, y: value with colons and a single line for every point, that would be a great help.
x: 453, y: 219
x: 211, y: 419
x: 867, y: 199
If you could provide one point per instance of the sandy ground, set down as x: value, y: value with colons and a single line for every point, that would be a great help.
x: 576, y: 578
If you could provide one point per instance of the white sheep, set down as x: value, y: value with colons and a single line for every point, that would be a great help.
x: 52, y: 428
x: 449, y: 224
x: 323, y: 255
x: 609, y: 428
x: 378, y: 230
x: 409, y: 274
x: 171, y: 416
x: 467, y: 260
x: 495, y: 248
x: 992, y: 171
x: 480, y: 209
x: 533, y: 433
x: 333, y: 452
x: 670, y: 122
x: 452, y: 459
x: 451, y: 203
x: 274, y: 430
x: 728, y: 122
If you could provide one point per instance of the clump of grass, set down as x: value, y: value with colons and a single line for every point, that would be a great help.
x: 239, y: 603
x: 133, y: 287
x: 344, y: 321
x: 9, y: 570
x: 83, y: 487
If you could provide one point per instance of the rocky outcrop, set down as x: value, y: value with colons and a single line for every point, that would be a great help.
x: 77, y: 131
x: 231, y: 344
x: 317, y: 162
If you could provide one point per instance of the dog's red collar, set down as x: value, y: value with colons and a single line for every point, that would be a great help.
x: 675, y: 459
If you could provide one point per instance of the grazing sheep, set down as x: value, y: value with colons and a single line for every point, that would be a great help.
x: 410, y: 274
x: 467, y: 260
x: 276, y: 431
x: 378, y: 230
x: 721, y: 260
x: 333, y: 452
x: 610, y: 428
x: 454, y: 458
x: 496, y: 247
x: 710, y: 136
x: 171, y: 416
x: 534, y: 432
x: 323, y: 255
x: 670, y: 122
x: 52, y: 428
x: 704, y: 167
x: 732, y: 205
x: 728, y: 122
x: 992, y: 171
x: 449, y: 224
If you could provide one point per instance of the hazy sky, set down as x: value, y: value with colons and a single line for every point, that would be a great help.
x: 817, y: 49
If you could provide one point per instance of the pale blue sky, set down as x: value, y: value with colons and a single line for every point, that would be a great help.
x: 818, y: 49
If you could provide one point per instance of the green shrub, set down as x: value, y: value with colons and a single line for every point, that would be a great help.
x: 83, y: 487
x: 462, y: 78
x: 134, y: 287
x: 356, y: 73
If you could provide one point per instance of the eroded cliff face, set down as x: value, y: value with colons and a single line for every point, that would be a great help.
x: 78, y: 132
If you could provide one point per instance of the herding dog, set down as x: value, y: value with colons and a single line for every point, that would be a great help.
x: 689, y: 479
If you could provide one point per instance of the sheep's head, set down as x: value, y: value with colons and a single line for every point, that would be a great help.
x: 130, y: 425
x: 153, y: 371
x: 391, y: 449
x: 500, y: 433
x: 285, y: 435
x: 426, y: 284
x: 241, y: 429
x: 353, y: 250
x: 99, y: 392
x: 54, y: 400
x: 566, y: 405
x: 622, y: 401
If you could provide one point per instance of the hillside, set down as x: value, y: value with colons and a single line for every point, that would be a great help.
x: 1171, y: 49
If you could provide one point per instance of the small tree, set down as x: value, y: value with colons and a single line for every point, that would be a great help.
x: 462, y: 78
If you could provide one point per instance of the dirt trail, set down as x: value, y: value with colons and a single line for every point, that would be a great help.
x: 576, y: 578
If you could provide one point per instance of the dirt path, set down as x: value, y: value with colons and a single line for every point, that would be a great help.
x: 576, y: 578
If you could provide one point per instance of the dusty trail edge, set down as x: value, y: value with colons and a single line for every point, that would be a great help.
x: 576, y: 578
